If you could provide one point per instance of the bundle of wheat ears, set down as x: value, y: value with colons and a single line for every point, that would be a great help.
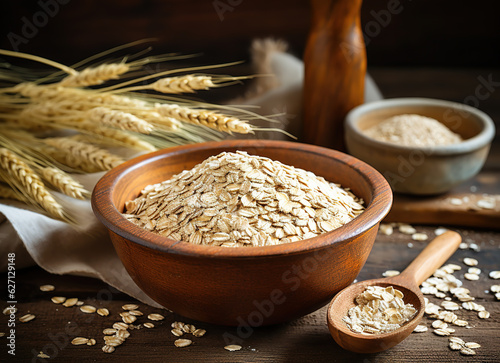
x: 56, y: 124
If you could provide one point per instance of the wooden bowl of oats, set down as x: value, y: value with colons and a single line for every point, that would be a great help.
x: 239, y: 261
x: 421, y: 146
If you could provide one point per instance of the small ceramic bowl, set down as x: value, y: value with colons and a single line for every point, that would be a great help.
x: 422, y: 170
x: 243, y: 286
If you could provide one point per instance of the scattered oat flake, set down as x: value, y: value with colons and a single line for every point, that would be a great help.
x: 103, y: 312
x: 109, y: 331
x: 129, y: 319
x: 439, y: 324
x: 9, y: 310
x: 456, y: 340
x: 419, y: 237
x: 456, y: 201
x: 79, y: 341
x: 120, y: 326
x: 43, y: 355
x: 467, y: 351
x: 471, y: 277
x: 441, y: 332
x: 494, y: 275
x: 460, y: 322
x: 91, y: 342
x: 155, y: 317
x: 188, y: 328
x: 26, y: 318
x: 483, y: 314
x: 495, y: 288
x: 149, y: 325
x: 463, y: 246
x: 468, y: 305
x: 79, y: 303
x: 439, y: 231
x: 474, y: 247
x: 232, y: 347
x: 470, y: 261
x: 108, y: 349
x: 473, y: 345
x: 122, y: 334
x: 88, y: 309
x: 390, y: 273
x: 130, y: 307
x: 454, y: 267
x: 113, y: 340
x: 486, y: 203
x: 456, y: 346
x: 180, y: 343
x: 199, y: 332
x: 177, y: 332
x: 58, y: 299
x: 407, y: 229
x: 47, y: 288
x: 2, y: 334
x: 474, y: 270
x: 420, y: 329
x: 136, y: 312
x: 386, y: 229
x: 70, y: 302
x: 177, y: 325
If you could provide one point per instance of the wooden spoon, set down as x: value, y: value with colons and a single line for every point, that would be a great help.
x: 408, y: 282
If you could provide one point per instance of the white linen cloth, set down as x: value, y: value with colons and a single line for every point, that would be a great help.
x: 87, y: 251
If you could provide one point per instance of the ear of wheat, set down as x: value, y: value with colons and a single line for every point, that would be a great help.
x: 206, y: 118
x: 64, y: 122
x: 95, y: 76
x: 21, y: 176
x: 64, y: 182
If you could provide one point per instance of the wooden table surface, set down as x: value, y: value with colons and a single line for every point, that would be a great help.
x: 303, y: 340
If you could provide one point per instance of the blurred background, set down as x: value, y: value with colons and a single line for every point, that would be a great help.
x: 440, y: 49
x: 443, y: 33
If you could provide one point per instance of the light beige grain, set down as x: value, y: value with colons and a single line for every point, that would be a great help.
x: 46, y: 288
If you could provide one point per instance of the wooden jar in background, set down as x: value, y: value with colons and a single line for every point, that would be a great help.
x: 335, y: 67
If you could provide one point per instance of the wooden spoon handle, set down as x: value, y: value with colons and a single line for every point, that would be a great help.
x: 433, y: 256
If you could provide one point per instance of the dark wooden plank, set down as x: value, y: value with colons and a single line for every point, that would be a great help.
x: 397, y: 33
x: 305, y: 339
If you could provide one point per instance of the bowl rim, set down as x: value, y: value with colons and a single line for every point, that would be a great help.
x: 102, y: 205
x: 483, y: 138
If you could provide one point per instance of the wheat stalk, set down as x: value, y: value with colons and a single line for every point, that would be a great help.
x: 61, y: 102
x: 119, y: 119
x: 29, y: 182
x: 182, y: 84
x: 159, y: 121
x: 38, y: 92
x: 95, y: 75
x: 207, y: 118
x: 65, y: 183
x: 85, y: 98
x: 113, y: 136
x: 86, y: 157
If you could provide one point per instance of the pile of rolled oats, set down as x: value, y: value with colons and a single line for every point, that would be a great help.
x: 443, y: 284
x: 236, y: 199
x: 379, y: 310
